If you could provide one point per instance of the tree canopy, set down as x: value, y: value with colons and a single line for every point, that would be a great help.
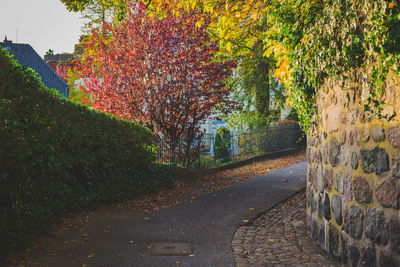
x: 310, y: 41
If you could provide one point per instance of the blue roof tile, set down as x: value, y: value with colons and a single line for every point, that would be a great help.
x: 26, y: 55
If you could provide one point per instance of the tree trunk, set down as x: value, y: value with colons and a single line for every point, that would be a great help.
x: 262, y: 88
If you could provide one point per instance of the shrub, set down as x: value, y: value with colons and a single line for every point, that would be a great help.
x: 222, y: 144
x: 57, y: 156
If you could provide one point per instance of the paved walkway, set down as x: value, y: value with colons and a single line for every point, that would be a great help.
x: 208, y: 223
x: 278, y: 238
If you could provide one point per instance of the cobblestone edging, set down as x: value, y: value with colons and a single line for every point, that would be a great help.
x: 279, y: 237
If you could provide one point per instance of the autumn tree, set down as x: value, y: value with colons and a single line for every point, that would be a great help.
x: 159, y: 73
x: 239, y: 28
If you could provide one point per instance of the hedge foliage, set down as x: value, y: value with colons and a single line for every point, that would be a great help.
x: 57, y: 157
x: 222, y: 144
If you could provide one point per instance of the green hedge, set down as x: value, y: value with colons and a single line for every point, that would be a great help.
x: 57, y: 157
x: 222, y: 144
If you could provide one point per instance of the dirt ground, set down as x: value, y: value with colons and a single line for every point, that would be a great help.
x: 185, y: 189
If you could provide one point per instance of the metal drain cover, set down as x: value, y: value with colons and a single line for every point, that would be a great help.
x: 159, y: 248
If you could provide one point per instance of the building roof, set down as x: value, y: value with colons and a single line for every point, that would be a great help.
x: 26, y: 55
x: 58, y: 58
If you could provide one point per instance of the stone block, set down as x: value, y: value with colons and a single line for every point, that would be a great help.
x: 378, y: 134
x: 375, y: 160
x: 396, y: 170
x: 348, y: 190
x: 356, y: 222
x: 337, y: 208
x: 354, y: 256
x: 328, y: 177
x: 367, y: 160
x: 325, y: 154
x: 313, y: 175
x: 344, y: 156
x: 311, y: 201
x: 339, y: 182
x: 321, y: 236
x: 342, y: 117
x: 320, y: 206
x: 394, y: 235
x: 387, y: 194
x: 375, y: 228
x: 346, y: 218
x: 343, y: 249
x: 354, y: 161
x: 333, y: 120
x: 362, y: 190
x: 342, y: 138
x: 327, y: 207
x: 394, y: 136
x: 354, y: 137
x: 386, y: 259
x: 314, y: 231
x: 334, y: 152
x: 320, y: 178
x: 353, y: 114
x: 368, y: 257
x: 381, y: 160
x: 333, y: 238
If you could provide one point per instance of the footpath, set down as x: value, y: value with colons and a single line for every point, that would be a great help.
x: 211, y: 230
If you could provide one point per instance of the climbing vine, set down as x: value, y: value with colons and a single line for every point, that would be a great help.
x: 323, y: 39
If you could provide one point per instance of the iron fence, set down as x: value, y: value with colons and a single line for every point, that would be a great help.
x: 208, y: 151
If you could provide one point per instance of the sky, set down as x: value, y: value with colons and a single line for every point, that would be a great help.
x: 44, y: 24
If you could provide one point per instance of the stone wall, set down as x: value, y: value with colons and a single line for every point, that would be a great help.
x: 354, y: 174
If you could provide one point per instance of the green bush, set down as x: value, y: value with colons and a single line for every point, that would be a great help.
x: 222, y: 144
x: 57, y: 157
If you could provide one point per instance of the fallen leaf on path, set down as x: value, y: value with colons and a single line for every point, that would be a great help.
x: 245, y: 221
x: 91, y: 255
x: 271, y: 240
x: 252, y: 209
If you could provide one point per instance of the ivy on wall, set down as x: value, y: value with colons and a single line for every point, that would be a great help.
x: 324, y: 39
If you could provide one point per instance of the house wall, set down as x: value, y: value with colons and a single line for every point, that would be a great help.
x: 353, y: 173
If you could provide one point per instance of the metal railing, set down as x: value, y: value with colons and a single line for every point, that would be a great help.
x: 206, y: 152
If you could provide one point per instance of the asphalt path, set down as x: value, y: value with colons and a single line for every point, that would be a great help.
x: 208, y: 223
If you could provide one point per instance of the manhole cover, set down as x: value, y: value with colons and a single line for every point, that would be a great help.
x: 171, y: 249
